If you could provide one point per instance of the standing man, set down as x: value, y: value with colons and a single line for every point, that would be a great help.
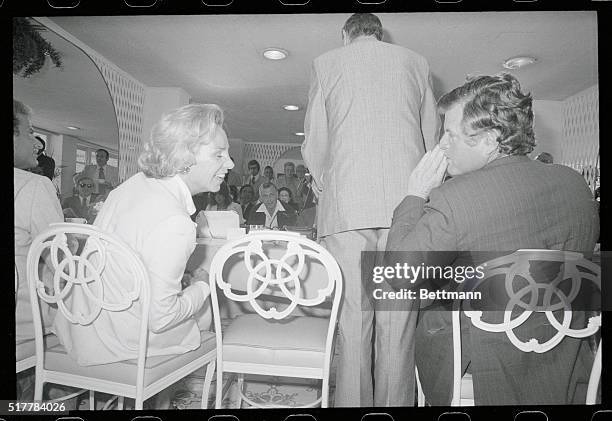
x: 45, y: 163
x: 371, y: 115
x: 499, y: 200
x: 254, y: 178
x: 105, y: 177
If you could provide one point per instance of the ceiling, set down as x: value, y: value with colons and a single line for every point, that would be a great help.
x: 218, y: 59
x: 75, y: 95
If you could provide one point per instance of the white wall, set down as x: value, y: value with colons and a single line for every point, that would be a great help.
x: 548, y: 128
x: 159, y: 101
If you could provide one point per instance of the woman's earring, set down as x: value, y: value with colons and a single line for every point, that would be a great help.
x: 185, y: 170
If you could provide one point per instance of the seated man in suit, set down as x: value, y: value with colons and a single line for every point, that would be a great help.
x: 247, y: 200
x: 271, y: 213
x: 79, y: 206
x: 105, y: 177
x: 498, y: 200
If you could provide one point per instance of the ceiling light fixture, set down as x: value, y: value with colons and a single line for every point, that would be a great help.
x: 73, y: 127
x: 518, y: 62
x: 299, y: 134
x: 275, y: 53
x: 291, y: 107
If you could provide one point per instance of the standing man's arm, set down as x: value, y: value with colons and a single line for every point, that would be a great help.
x: 430, y: 121
x: 314, y: 148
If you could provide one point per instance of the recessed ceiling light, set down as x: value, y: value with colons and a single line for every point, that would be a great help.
x: 291, y: 107
x: 275, y: 53
x: 73, y: 127
x: 518, y: 62
x: 299, y: 134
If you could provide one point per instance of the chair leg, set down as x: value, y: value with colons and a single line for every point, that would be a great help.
x: 240, y: 389
x: 38, y: 388
x: 210, y: 369
x: 219, y: 386
x: 325, y: 392
x: 120, y: 403
x: 92, y: 400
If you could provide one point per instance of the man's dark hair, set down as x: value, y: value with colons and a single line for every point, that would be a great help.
x: 254, y: 162
x: 363, y: 24
x: 246, y: 186
x: 495, y: 104
x: 105, y: 151
x: 42, y: 142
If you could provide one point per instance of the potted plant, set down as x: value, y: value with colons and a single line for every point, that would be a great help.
x: 30, y: 49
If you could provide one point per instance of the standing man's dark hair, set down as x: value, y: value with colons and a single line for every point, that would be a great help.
x: 105, y: 151
x: 253, y: 162
x: 362, y: 24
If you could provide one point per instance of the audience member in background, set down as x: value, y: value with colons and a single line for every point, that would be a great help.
x: 45, y: 163
x: 269, y: 174
x: 545, y: 157
x: 234, y: 193
x: 36, y: 206
x: 371, y: 115
x: 200, y: 202
x: 247, y: 200
x: 105, y: 176
x: 271, y: 213
x: 286, y: 198
x: 222, y: 200
x: 232, y: 178
x: 186, y: 154
x: 289, y: 179
x: 80, y: 205
x: 499, y: 200
x: 255, y: 179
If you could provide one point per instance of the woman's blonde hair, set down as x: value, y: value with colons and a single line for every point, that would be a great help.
x: 177, y: 137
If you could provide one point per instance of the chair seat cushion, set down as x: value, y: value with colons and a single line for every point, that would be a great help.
x: 124, y: 372
x: 296, y: 341
x: 27, y: 348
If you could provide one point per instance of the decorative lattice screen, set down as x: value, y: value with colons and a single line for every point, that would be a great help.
x: 580, y: 141
x: 128, y: 98
x: 264, y: 153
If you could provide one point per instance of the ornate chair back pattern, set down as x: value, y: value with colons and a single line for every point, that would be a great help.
x: 303, y: 273
x: 573, y: 268
x: 79, y: 285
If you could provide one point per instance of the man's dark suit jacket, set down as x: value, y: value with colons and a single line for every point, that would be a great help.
x: 74, y: 203
x: 511, y: 203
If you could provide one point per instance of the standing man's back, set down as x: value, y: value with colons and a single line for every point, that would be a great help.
x: 371, y: 116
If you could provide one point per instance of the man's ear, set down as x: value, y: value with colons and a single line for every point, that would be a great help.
x: 490, y: 142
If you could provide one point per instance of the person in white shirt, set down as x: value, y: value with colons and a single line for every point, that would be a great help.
x: 268, y: 211
x: 186, y: 154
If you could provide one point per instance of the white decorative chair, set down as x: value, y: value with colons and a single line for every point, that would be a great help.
x: 574, y: 267
x: 276, y: 341
x: 138, y: 379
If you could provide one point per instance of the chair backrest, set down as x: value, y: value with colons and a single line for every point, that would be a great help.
x: 276, y: 263
x: 545, y: 296
x: 77, y: 255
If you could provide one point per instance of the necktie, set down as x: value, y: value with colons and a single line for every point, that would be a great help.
x: 253, y: 180
x: 82, y: 202
x: 101, y: 174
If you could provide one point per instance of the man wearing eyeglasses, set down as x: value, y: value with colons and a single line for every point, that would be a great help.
x: 78, y: 206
